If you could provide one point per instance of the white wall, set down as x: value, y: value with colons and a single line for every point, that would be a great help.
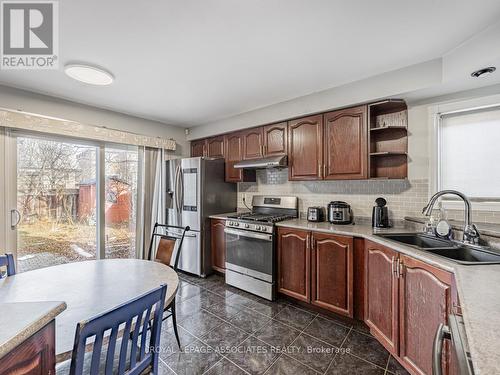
x: 11, y: 98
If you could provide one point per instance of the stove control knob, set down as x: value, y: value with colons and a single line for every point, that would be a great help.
x: 236, y: 224
x: 229, y: 223
x: 257, y: 227
x: 247, y: 226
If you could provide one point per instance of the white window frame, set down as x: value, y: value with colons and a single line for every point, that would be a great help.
x: 436, y: 114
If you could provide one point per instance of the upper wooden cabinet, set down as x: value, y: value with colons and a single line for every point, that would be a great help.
x: 198, y: 148
x: 381, y: 295
x: 234, y: 153
x: 215, y: 147
x: 345, y: 144
x: 424, y: 303
x: 332, y: 273
x: 252, y: 143
x: 294, y: 254
x: 305, y: 148
x: 275, y: 139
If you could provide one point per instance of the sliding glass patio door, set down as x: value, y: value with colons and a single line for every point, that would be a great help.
x: 70, y: 200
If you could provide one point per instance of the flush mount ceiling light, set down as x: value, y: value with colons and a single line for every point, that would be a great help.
x: 480, y: 72
x: 89, y: 74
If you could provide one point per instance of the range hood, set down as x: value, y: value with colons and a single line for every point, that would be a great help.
x: 271, y: 162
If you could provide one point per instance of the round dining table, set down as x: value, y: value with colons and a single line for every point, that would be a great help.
x: 88, y: 288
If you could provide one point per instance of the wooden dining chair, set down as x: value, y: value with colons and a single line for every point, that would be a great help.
x: 7, y: 261
x: 122, y: 356
x: 168, y: 251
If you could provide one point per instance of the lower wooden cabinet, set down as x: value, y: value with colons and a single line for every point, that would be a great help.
x: 218, y: 245
x: 36, y: 355
x: 332, y: 273
x: 294, y: 256
x: 316, y: 268
x: 424, y: 303
x: 406, y: 300
x: 381, y: 295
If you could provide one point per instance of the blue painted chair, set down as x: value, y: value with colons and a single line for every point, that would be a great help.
x: 133, y: 356
x: 170, y: 238
x: 7, y: 261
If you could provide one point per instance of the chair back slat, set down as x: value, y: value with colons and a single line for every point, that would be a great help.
x: 134, y: 338
x: 145, y: 324
x: 110, y: 356
x: 113, y: 320
x: 96, y: 353
x: 7, y: 261
x: 123, y: 350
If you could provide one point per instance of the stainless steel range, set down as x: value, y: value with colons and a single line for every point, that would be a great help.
x: 250, y: 244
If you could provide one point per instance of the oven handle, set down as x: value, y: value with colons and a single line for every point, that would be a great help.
x: 249, y: 234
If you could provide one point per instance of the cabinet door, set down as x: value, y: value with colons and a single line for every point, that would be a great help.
x: 198, y: 148
x: 215, y: 147
x: 275, y: 139
x: 218, y: 245
x: 294, y: 256
x: 36, y: 355
x: 252, y: 143
x: 346, y: 149
x: 381, y: 305
x: 234, y: 151
x: 424, y: 303
x: 332, y: 273
x: 305, y: 148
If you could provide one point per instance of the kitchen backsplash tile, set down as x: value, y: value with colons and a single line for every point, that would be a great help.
x: 404, y: 197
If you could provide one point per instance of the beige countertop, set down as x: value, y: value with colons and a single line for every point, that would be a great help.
x: 20, y: 320
x: 478, y: 289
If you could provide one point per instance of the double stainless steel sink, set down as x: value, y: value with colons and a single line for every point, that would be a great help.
x: 453, y: 250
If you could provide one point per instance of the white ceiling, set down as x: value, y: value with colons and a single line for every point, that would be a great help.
x: 191, y: 62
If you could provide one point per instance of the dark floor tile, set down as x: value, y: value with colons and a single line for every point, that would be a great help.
x: 366, y: 347
x: 187, y: 291
x: 254, y: 356
x: 220, y: 289
x: 223, y: 310
x: 346, y: 364
x: 395, y: 368
x: 327, y: 330
x: 224, y: 337
x: 249, y: 321
x: 287, y: 366
x: 312, y: 352
x: 240, y: 301
x: 294, y: 317
x: 267, y: 307
x: 277, y: 334
x: 184, y: 309
x: 200, y: 323
x: 225, y: 367
x: 196, y: 358
x: 168, y: 342
x: 163, y: 369
x: 206, y: 299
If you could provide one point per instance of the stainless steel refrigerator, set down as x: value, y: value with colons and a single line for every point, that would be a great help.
x: 195, y: 190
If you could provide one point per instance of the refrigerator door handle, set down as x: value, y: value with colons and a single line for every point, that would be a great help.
x: 177, y: 189
x: 181, y: 191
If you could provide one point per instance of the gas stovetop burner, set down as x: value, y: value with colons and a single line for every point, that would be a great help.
x: 264, y: 218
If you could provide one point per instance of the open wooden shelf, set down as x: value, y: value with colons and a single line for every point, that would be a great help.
x: 388, y: 139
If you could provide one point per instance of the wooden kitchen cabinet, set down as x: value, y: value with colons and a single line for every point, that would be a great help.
x: 424, y: 303
x: 346, y: 144
x: 305, y: 148
x: 381, y: 295
x: 275, y: 139
x: 198, y: 148
x: 294, y: 255
x: 332, y: 273
x: 234, y: 152
x: 218, y: 245
x: 36, y: 355
x: 252, y: 143
x: 215, y: 147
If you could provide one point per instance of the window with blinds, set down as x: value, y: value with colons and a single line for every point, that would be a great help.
x: 469, y: 153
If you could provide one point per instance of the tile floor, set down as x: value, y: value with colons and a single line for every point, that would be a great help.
x: 226, y: 331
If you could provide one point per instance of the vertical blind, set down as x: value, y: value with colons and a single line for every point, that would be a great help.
x: 469, y: 153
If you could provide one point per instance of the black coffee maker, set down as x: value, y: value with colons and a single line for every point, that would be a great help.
x: 380, y: 214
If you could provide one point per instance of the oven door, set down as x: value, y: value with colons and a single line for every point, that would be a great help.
x: 250, y: 253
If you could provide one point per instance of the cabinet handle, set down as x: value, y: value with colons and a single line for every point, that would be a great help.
x: 393, y: 269
x: 308, y: 242
x: 324, y: 170
x: 443, y: 332
x: 319, y: 170
x: 401, y: 268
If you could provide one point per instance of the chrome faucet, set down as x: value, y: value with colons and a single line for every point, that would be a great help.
x: 471, y: 234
